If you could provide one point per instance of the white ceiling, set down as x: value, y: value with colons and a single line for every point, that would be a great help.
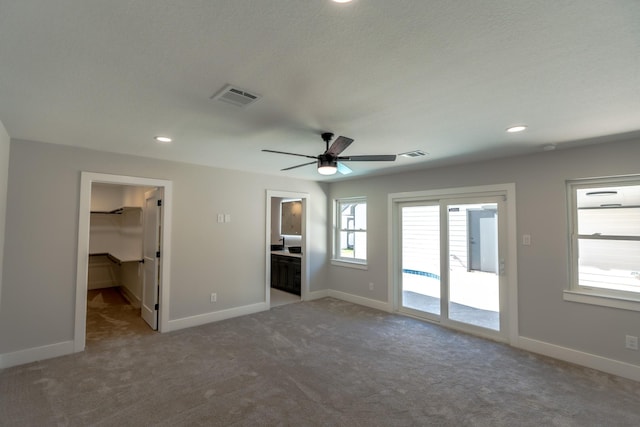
x: 446, y: 77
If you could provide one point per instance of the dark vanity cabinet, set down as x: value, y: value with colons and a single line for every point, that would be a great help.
x: 285, y: 273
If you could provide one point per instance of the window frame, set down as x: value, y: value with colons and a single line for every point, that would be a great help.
x: 627, y: 300
x: 337, y: 258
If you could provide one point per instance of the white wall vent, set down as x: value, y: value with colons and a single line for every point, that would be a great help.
x: 415, y: 153
x: 236, y: 96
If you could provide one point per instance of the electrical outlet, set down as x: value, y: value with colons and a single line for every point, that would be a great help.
x: 214, y: 297
x: 370, y: 286
x: 631, y: 342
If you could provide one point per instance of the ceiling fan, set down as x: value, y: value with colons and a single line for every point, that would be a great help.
x: 330, y: 161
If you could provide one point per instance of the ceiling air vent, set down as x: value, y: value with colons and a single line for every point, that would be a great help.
x: 236, y: 96
x: 415, y: 153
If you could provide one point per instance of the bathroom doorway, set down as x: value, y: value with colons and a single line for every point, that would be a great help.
x: 286, y: 247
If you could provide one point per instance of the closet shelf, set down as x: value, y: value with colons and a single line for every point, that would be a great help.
x: 118, y: 211
x: 115, y: 259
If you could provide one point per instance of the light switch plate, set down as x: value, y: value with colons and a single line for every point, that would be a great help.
x: 220, y: 217
x: 227, y: 217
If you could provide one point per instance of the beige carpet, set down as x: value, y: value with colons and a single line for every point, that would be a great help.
x: 319, y: 363
x: 110, y: 316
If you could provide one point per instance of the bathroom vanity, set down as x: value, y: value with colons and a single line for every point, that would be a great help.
x: 286, y: 271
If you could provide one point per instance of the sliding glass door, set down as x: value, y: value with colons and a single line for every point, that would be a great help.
x: 421, y: 288
x: 450, y: 256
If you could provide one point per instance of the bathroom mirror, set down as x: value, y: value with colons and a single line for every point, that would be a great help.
x: 291, y: 219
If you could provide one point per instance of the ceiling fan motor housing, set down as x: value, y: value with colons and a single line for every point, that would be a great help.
x: 327, y: 160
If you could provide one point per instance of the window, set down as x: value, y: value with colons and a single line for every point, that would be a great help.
x: 351, y: 231
x: 605, y: 238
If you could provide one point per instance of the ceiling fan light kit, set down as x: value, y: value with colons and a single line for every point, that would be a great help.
x: 330, y: 161
x: 327, y: 166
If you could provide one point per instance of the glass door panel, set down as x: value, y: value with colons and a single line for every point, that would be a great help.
x: 420, y: 258
x: 474, y: 281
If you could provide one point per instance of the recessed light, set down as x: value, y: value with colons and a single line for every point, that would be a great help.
x: 517, y: 128
x: 164, y: 139
x: 342, y: 1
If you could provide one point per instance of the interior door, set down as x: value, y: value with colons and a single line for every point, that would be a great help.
x: 151, y: 252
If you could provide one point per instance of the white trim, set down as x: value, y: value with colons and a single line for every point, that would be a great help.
x: 216, y: 316
x: 511, y: 257
x: 602, y: 300
x: 588, y: 360
x: 130, y: 296
x: 337, y: 228
x: 350, y: 264
x: 317, y: 294
x: 305, y: 243
x: 605, y: 296
x: 35, y: 354
x: 84, y: 213
x: 355, y: 299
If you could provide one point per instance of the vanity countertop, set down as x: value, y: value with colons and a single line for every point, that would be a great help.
x: 286, y: 253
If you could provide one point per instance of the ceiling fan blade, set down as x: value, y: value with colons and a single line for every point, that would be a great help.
x: 290, y: 154
x: 299, y: 166
x: 344, y: 169
x: 372, y: 158
x: 339, y: 145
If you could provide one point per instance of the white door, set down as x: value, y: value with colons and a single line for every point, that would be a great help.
x: 151, y: 253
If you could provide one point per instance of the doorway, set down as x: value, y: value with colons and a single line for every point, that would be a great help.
x: 453, y: 247
x: 160, y: 291
x: 116, y: 267
x: 286, y: 247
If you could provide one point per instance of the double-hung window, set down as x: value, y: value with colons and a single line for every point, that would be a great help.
x: 351, y: 231
x: 605, y: 241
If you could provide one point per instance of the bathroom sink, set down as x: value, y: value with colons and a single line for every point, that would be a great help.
x: 295, y: 249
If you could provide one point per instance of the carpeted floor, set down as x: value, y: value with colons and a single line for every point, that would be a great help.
x: 318, y: 363
x: 110, y: 316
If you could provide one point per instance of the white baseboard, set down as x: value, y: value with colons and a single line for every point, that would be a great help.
x: 130, y: 296
x: 317, y: 295
x: 367, y: 302
x: 35, y: 354
x: 202, y: 319
x: 611, y: 366
x: 600, y: 363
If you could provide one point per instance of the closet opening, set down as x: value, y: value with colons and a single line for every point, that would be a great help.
x: 116, y: 270
x: 122, y: 286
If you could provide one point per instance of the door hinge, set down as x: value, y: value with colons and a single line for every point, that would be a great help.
x: 158, y: 254
x: 159, y: 202
x: 142, y: 261
x: 157, y: 306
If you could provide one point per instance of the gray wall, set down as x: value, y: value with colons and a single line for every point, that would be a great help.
x: 228, y: 258
x: 4, y: 178
x: 541, y: 212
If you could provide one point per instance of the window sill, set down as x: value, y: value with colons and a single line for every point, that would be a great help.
x: 350, y: 264
x: 603, y: 300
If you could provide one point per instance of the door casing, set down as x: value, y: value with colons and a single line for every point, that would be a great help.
x: 84, y: 212
x: 306, y: 227
x: 510, y: 305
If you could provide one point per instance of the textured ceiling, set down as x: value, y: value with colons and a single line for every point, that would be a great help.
x: 445, y: 77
